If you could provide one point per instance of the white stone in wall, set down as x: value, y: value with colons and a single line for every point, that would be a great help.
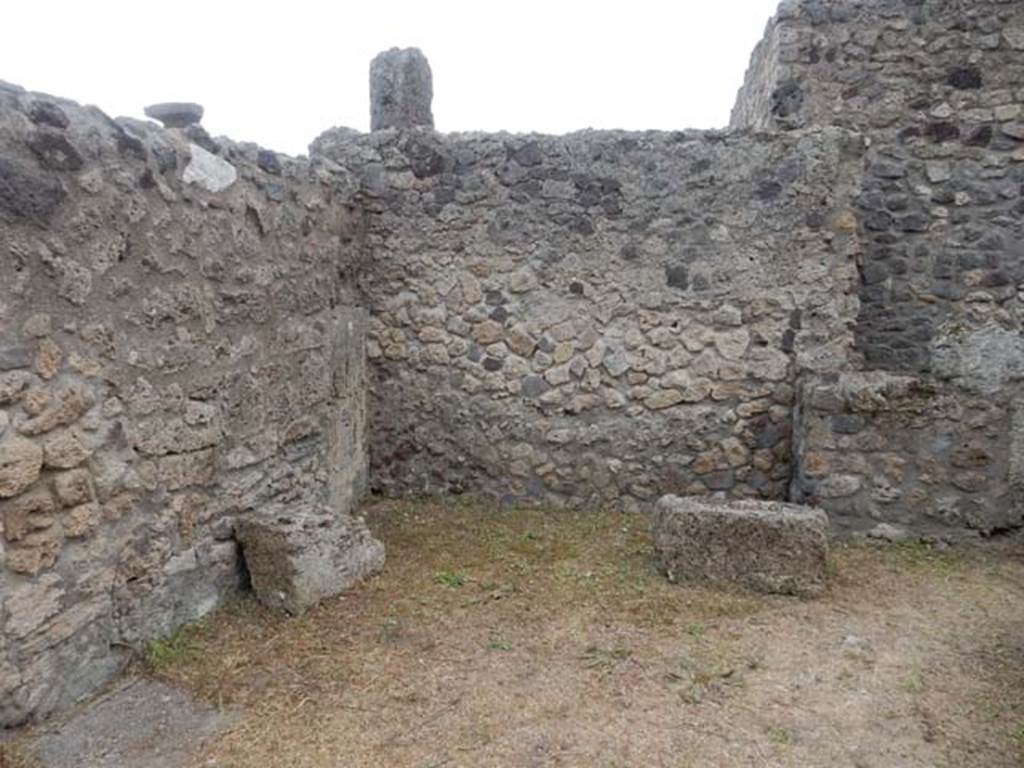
x: 209, y: 171
x: 1014, y: 38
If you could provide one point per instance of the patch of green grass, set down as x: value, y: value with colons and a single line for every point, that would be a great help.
x: 180, y: 647
x: 499, y: 645
x: 913, y: 682
x: 779, y: 735
x: 390, y: 628
x: 605, y: 660
x: 832, y: 566
x: 924, y: 554
x: 1018, y: 737
x: 453, y: 579
x: 599, y: 558
x: 695, y: 630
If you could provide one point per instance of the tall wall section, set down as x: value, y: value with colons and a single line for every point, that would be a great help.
x: 599, y: 318
x: 937, y: 87
x: 178, y: 346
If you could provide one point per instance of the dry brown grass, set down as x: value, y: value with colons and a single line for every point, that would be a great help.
x: 16, y: 755
x: 540, y: 638
x: 534, y: 638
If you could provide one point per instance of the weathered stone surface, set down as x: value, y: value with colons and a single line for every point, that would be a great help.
x: 45, y: 112
x: 269, y: 161
x: 73, y: 487
x: 48, y: 359
x: 890, y: 533
x: 20, y: 463
x: 168, y: 359
x: 12, y: 384
x: 764, y: 545
x: 64, y: 449
x: 664, y: 398
x: 205, y: 169
x: 15, y: 357
x: 82, y: 520
x: 138, y: 724
x: 175, y: 114
x: 55, y: 152
x: 591, y: 319
x: 69, y: 403
x: 36, y: 552
x: 582, y: 334
x: 28, y: 513
x: 28, y: 195
x: 34, y: 603
x: 401, y: 90
x: 962, y: 464
x: 921, y: 206
x: 299, y: 556
x: 986, y: 359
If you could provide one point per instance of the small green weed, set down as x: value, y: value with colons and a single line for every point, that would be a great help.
x: 1018, y: 737
x: 604, y: 660
x: 453, y: 579
x: 925, y: 555
x: 177, y: 648
x: 913, y: 682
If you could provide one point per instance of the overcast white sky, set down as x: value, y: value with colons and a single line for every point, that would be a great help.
x: 278, y: 73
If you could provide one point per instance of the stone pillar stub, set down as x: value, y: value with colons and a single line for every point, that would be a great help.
x: 401, y: 90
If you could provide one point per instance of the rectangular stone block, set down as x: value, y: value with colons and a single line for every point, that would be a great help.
x: 767, y: 546
x: 298, y: 556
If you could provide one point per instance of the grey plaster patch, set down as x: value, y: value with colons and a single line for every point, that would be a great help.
x: 984, y: 360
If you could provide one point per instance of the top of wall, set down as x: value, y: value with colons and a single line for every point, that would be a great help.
x: 116, y: 202
x: 881, y: 64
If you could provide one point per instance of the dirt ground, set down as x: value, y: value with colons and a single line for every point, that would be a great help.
x: 539, y: 638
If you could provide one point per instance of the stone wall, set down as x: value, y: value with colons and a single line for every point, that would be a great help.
x: 178, y: 346
x: 937, y: 87
x: 937, y: 66
x: 923, y: 460
x: 599, y: 318
x: 825, y: 303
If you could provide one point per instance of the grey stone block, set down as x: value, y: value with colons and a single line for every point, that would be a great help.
x: 767, y: 546
x: 14, y: 357
x: 401, y: 90
x: 175, y: 114
x: 26, y: 194
x: 299, y: 556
